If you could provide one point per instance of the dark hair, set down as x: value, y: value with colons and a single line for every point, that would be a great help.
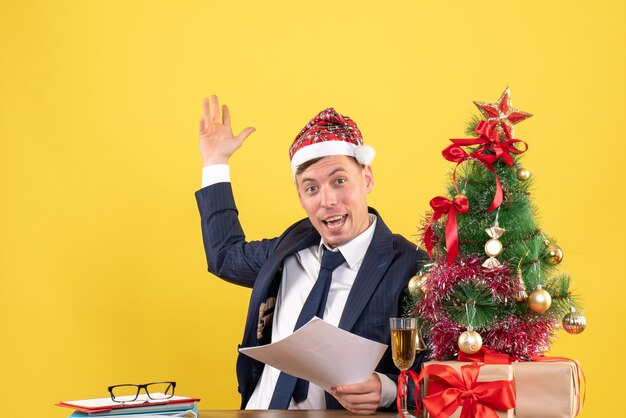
x: 302, y: 167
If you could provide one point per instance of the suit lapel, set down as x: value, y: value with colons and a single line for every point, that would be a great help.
x: 375, y: 263
x: 303, y: 237
x: 291, y: 245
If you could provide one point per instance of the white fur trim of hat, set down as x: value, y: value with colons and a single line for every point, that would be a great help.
x: 364, y: 154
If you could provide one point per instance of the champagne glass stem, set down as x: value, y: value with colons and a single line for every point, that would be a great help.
x: 405, y: 408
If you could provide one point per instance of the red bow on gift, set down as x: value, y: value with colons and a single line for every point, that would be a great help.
x: 476, y: 399
x: 490, y: 140
x: 442, y: 206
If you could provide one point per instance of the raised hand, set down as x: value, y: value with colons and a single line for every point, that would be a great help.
x: 217, y: 142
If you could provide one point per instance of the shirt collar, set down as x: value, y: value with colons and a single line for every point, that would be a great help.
x: 353, y: 251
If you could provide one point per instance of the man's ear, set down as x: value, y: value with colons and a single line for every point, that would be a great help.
x: 368, y: 178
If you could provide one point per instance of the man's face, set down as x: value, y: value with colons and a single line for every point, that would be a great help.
x: 333, y: 192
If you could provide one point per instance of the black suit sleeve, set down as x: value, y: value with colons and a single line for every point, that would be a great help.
x: 229, y: 256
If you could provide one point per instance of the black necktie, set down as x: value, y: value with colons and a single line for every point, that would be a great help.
x: 289, y: 386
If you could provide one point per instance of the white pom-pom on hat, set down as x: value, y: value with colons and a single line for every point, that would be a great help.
x: 364, y: 154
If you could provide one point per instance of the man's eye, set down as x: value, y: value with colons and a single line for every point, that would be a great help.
x: 341, y: 180
x: 311, y: 189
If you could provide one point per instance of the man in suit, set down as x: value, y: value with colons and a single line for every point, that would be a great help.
x: 290, y: 275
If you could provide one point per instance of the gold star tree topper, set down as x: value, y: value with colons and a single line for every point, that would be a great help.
x: 501, y: 114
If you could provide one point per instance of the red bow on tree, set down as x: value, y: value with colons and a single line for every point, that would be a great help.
x: 442, y: 206
x: 490, y: 141
x: 449, y: 391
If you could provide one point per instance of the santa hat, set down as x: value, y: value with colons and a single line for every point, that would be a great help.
x: 329, y: 133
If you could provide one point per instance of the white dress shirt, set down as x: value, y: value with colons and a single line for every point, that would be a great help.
x: 300, y: 271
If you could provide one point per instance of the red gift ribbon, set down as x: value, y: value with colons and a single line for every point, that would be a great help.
x: 580, y: 375
x: 487, y: 356
x: 476, y: 399
x: 490, y: 141
x: 442, y: 206
x: 403, y: 388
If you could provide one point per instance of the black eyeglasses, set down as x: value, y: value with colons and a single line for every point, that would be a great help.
x: 155, y: 391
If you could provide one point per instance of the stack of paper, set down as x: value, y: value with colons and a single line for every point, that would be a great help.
x: 143, y: 407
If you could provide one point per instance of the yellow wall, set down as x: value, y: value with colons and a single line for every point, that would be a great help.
x: 102, y: 270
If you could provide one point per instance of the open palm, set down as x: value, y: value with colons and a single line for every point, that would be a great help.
x: 217, y: 141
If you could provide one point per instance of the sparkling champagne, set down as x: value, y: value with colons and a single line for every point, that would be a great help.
x: 403, y: 347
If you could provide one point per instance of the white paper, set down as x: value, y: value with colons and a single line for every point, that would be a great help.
x: 142, y: 399
x: 323, y: 354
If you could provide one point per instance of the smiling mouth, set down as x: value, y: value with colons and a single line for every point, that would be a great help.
x: 335, y: 222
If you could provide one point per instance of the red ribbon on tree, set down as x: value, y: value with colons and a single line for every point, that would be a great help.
x: 457, y: 155
x: 476, y: 399
x: 442, y: 206
x: 490, y: 141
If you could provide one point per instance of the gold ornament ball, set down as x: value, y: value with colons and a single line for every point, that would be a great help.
x: 493, y: 247
x: 554, y: 254
x: 470, y: 342
x: 539, y: 300
x: 417, y: 284
x: 523, y: 174
x: 574, y: 322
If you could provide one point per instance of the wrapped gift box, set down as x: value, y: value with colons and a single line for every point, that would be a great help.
x: 547, y: 389
x: 487, y: 373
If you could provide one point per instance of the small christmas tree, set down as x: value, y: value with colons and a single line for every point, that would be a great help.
x: 493, y: 278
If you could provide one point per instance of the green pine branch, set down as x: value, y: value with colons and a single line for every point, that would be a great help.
x: 559, y: 289
x: 473, y: 304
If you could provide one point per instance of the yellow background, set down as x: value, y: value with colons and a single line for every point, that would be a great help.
x: 103, y: 277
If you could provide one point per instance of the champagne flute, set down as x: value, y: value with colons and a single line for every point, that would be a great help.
x: 403, y: 345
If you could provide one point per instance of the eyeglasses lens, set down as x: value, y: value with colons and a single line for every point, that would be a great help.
x: 125, y: 393
x: 161, y: 390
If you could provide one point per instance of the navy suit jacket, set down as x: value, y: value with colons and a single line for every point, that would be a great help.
x: 376, y: 296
